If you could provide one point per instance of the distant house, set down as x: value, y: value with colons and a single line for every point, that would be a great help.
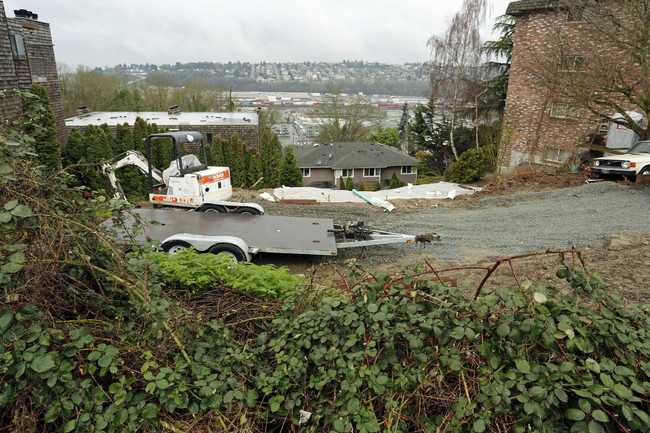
x: 324, y: 164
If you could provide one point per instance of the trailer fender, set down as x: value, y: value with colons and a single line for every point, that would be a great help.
x: 234, y: 246
x: 231, y: 207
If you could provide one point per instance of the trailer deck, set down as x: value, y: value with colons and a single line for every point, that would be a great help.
x: 251, y: 234
x: 266, y: 233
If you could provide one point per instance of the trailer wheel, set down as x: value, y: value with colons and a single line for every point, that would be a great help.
x: 175, y: 247
x: 212, y: 208
x: 246, y: 211
x: 228, y: 250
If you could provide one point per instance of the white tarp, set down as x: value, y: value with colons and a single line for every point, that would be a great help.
x: 438, y: 190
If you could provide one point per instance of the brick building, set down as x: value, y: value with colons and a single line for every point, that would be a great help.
x: 544, y: 126
x: 210, y: 124
x: 26, y: 58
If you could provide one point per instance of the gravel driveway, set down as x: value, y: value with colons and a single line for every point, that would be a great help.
x: 497, y: 226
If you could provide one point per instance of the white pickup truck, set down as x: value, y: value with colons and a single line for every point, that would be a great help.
x: 633, y: 164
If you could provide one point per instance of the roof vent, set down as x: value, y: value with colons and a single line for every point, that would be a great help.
x: 24, y: 13
x: 174, y: 109
x: 82, y: 110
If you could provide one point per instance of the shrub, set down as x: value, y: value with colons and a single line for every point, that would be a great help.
x: 377, y: 186
x: 395, y: 182
x: 471, y: 165
x: 341, y: 183
x: 349, y: 184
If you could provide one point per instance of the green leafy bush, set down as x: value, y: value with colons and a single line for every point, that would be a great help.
x: 471, y: 165
x: 192, y: 271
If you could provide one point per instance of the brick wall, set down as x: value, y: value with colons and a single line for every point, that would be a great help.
x: 542, y: 127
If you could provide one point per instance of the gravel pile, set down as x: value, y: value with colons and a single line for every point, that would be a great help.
x: 498, y: 226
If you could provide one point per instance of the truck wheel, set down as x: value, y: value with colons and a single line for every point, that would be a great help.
x: 228, y: 250
x: 175, y: 247
x: 212, y: 208
x: 246, y: 211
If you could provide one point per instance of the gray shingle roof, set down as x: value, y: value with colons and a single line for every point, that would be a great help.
x: 525, y: 6
x: 352, y: 154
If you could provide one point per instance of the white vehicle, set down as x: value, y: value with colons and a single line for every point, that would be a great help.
x: 187, y: 183
x: 633, y: 164
x: 241, y: 237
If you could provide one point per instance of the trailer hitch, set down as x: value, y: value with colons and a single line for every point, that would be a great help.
x: 426, y: 238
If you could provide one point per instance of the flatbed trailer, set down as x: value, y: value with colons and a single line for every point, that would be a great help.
x: 242, y: 236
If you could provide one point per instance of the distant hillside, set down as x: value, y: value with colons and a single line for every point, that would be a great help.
x: 352, y: 77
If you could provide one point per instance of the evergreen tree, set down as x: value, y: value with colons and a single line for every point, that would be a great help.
x: 96, y: 143
x: 349, y: 184
x: 255, y: 171
x: 237, y: 162
x: 140, y: 132
x: 74, y: 148
x: 215, y: 156
x: 290, y: 173
x: 403, y: 121
x: 271, y: 153
x: 341, y: 183
x: 134, y: 182
x: 395, y: 182
x: 40, y: 124
x: 377, y: 186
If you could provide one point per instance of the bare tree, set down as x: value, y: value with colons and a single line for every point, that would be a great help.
x: 455, y: 55
x: 344, y: 119
x: 599, y: 61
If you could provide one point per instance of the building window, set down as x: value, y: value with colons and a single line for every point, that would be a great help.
x: 558, y: 156
x: 571, y: 64
x: 305, y: 172
x: 565, y: 110
x: 370, y: 172
x: 347, y: 172
x: 407, y: 169
x: 18, y: 47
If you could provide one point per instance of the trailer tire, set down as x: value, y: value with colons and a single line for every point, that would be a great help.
x: 246, y: 211
x: 228, y: 250
x: 212, y: 208
x: 175, y: 247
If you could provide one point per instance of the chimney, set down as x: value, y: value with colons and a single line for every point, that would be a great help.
x: 24, y: 13
x: 174, y: 109
x: 82, y: 110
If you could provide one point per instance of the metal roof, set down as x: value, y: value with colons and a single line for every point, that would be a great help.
x: 162, y: 118
x: 352, y: 154
x: 525, y: 6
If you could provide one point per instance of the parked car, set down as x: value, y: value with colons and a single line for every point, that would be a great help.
x: 633, y: 164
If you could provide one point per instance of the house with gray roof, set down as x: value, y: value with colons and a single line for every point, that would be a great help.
x: 323, y: 164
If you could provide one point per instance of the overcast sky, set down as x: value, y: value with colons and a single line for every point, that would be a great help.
x: 105, y: 33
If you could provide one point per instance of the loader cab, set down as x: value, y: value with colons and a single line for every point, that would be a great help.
x: 188, y: 152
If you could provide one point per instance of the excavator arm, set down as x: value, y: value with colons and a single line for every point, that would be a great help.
x: 130, y: 157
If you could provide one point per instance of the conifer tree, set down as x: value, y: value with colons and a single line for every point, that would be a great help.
x: 255, y: 170
x: 40, y: 124
x: 377, y: 186
x: 237, y: 162
x: 395, y: 182
x: 341, y: 183
x: 349, y: 184
x: 290, y: 173
x: 215, y: 156
x: 134, y: 183
x: 271, y: 153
